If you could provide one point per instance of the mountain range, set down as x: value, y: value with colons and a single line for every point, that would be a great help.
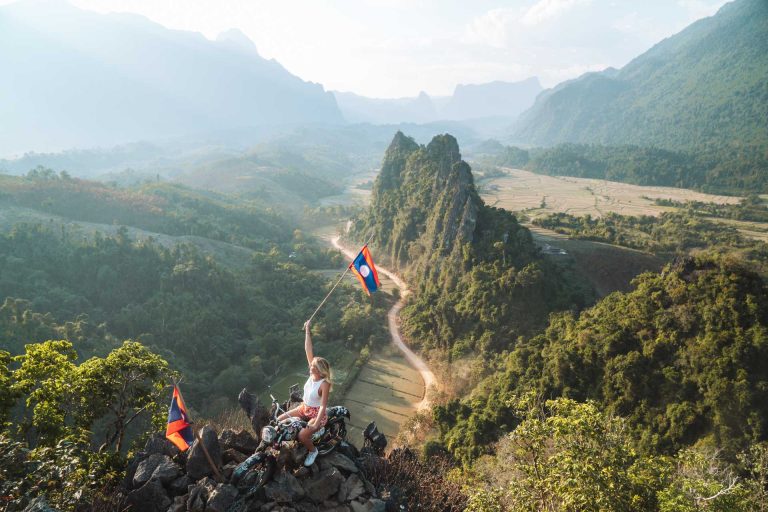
x: 705, y: 86
x: 75, y: 78
x: 500, y: 100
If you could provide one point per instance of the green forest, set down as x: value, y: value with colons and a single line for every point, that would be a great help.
x: 651, y: 399
x: 95, y: 324
x: 479, y: 280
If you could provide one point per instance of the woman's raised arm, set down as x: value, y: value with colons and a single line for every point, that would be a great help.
x: 308, y: 343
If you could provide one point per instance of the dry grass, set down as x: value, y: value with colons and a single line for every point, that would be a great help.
x: 524, y: 190
x: 414, y: 484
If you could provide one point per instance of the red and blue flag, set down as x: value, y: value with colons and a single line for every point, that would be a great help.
x: 179, y: 429
x: 365, y: 270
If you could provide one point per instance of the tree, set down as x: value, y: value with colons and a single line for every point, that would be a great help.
x: 567, y: 455
x: 7, y: 396
x: 46, y: 377
x: 123, y: 386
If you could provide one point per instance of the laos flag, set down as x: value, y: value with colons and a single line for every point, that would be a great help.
x: 365, y: 271
x: 179, y: 429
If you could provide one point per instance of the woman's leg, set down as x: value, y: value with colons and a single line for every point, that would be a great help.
x: 313, y: 425
x: 293, y: 413
x: 305, y: 436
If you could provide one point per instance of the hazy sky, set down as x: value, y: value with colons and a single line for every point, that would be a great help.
x: 395, y: 48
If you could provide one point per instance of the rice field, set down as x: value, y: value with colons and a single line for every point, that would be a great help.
x: 387, y: 390
x: 538, y: 194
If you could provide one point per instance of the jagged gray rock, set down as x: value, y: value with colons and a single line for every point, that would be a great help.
x: 351, y: 489
x: 324, y: 485
x: 197, y: 463
x: 284, y: 488
x: 373, y: 505
x: 335, y: 484
x: 156, y: 466
x: 198, y: 495
x: 240, y: 440
x: 39, y: 504
x: 158, y: 443
x: 233, y: 455
x: 130, y: 471
x: 180, y: 486
x: 306, y: 506
x: 342, y: 462
x: 221, y: 498
x: 340, y: 508
x: 150, y: 497
x: 179, y: 504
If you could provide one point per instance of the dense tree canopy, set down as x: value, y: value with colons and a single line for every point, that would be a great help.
x: 682, y: 357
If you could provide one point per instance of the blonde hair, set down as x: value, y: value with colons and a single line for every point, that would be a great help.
x: 324, y: 367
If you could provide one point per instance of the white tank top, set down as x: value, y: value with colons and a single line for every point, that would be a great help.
x: 312, y: 392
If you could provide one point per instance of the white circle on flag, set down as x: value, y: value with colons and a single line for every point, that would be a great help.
x: 364, y: 270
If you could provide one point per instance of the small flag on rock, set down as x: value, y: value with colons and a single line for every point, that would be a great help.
x: 179, y: 429
x: 365, y: 270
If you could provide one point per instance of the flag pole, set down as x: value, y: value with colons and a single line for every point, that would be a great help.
x: 200, y: 440
x: 337, y: 283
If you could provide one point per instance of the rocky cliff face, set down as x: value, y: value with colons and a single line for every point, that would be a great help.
x: 424, y: 202
x: 474, y: 268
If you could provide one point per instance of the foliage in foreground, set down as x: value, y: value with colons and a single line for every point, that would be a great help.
x: 64, y: 411
x: 570, y: 456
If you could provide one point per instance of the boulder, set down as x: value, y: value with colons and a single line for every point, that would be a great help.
x: 197, y: 463
x: 240, y: 440
x: 372, y: 505
x: 179, y: 504
x: 221, y: 498
x: 342, y: 462
x: 150, y: 497
x: 167, y: 471
x: 179, y: 486
x: 232, y: 455
x: 284, y: 488
x: 351, y: 489
x: 158, y: 443
x: 39, y: 504
x: 254, y: 409
x: 324, y: 485
x: 130, y: 471
x: 156, y: 466
x: 198, y: 495
x: 306, y: 506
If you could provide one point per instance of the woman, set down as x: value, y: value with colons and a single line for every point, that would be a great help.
x: 316, y: 391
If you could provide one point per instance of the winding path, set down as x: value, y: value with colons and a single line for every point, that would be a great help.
x: 394, y: 329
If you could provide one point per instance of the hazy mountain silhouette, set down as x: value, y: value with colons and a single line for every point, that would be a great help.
x: 77, y: 78
x: 706, y: 85
x: 491, y: 100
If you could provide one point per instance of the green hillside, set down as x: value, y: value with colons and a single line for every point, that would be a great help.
x: 158, y: 207
x: 73, y: 267
x: 479, y: 279
x: 681, y: 358
x: 704, y: 88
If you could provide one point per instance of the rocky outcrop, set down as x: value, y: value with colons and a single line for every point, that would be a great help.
x: 185, y: 482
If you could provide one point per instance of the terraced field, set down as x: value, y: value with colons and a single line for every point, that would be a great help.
x: 540, y: 194
x: 387, y: 390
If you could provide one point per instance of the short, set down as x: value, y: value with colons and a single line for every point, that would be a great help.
x: 308, y: 412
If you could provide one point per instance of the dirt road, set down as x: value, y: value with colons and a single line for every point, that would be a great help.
x: 394, y: 329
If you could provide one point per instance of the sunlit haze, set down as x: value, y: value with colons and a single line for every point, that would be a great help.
x: 397, y: 48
